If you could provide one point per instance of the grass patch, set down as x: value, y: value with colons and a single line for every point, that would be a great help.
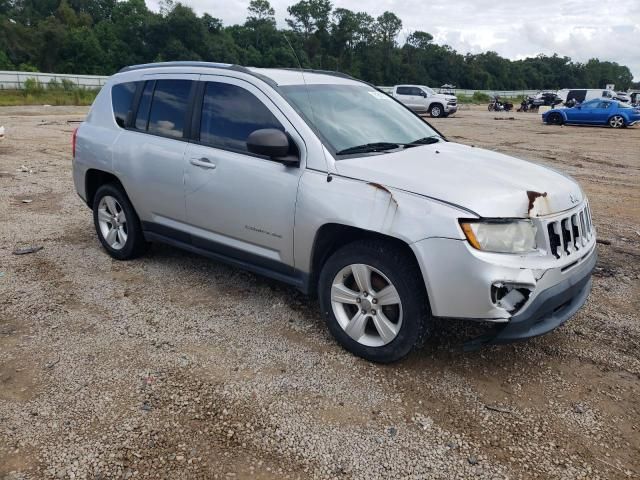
x: 47, y: 96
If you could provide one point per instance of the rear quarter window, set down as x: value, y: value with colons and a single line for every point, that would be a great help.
x: 121, y: 100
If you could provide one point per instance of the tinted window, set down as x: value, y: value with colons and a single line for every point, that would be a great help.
x: 142, y: 118
x: 169, y: 107
x: 229, y: 114
x: 121, y: 98
x: 416, y: 91
x: 578, y: 95
x: 403, y: 91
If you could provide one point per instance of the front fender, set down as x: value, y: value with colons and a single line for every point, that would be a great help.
x: 367, y: 206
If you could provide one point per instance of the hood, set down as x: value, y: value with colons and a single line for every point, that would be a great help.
x: 446, y: 97
x: 490, y: 184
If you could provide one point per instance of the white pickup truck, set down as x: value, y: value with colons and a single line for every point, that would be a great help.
x: 423, y: 99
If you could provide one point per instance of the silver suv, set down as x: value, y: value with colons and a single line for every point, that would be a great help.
x: 325, y: 183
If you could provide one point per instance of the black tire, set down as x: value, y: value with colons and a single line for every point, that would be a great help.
x: 400, y: 267
x: 436, y: 110
x: 554, y: 119
x: 135, y: 244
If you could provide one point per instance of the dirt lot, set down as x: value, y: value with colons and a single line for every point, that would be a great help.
x: 173, y: 366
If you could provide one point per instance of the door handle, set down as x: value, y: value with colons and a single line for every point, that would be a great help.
x: 203, y: 162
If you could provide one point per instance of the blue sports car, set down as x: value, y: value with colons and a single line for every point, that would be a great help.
x: 599, y: 111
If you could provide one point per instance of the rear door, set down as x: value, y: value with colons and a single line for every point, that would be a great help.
x: 240, y: 204
x: 410, y: 97
x: 149, y: 154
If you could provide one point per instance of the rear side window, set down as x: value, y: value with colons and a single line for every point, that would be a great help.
x: 230, y: 114
x: 169, y: 107
x: 121, y: 99
x: 403, y: 91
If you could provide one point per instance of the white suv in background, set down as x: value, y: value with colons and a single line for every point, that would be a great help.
x: 422, y: 99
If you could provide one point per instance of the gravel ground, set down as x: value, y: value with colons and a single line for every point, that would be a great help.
x: 173, y: 366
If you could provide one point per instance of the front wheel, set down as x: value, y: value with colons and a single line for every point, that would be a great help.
x: 554, y: 119
x: 117, y: 223
x: 616, y: 121
x: 436, y: 111
x: 373, y: 298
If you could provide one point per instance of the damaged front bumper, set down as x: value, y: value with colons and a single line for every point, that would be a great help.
x: 523, y: 295
x: 550, y: 309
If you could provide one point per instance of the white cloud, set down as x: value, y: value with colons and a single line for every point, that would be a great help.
x: 580, y: 29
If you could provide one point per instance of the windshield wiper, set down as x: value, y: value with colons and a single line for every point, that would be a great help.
x: 369, y: 147
x: 423, y: 141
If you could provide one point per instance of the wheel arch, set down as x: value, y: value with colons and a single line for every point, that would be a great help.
x: 94, y: 179
x: 332, y: 236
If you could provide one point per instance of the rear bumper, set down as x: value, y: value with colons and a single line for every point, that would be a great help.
x: 550, y: 309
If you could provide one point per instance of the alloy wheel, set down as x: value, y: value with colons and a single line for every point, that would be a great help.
x: 616, y: 121
x: 366, y: 304
x: 113, y: 222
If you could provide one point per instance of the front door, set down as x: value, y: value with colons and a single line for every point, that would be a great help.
x: 239, y: 204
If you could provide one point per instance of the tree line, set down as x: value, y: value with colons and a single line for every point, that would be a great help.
x: 101, y: 36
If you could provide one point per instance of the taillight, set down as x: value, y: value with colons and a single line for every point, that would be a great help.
x: 73, y: 142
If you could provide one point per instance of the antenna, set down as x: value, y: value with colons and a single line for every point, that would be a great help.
x: 306, y: 87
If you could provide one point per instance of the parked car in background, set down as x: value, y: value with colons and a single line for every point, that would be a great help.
x: 595, y: 112
x: 622, y: 97
x: 575, y: 96
x: 393, y: 224
x: 422, y: 99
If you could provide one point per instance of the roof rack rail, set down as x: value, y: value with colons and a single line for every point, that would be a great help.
x: 176, y: 64
x: 229, y: 66
x: 323, y: 72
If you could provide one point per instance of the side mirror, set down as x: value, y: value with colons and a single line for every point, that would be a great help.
x: 423, y: 94
x: 272, y: 143
x: 579, y: 107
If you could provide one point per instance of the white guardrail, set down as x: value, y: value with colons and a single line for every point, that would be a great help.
x: 491, y: 93
x: 10, y: 80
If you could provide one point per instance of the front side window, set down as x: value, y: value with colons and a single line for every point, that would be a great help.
x: 167, y: 116
x: 347, y: 116
x: 230, y: 114
x: 403, y: 91
x: 604, y: 104
x: 121, y: 99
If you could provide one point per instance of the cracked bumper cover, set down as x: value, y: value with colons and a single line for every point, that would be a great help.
x: 550, y: 309
x: 458, y: 280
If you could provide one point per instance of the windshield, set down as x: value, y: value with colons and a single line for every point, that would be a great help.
x: 347, y: 116
x: 430, y: 91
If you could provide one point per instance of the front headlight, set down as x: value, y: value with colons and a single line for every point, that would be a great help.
x: 512, y: 236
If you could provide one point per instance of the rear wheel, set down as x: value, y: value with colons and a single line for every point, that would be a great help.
x: 616, y: 121
x: 117, y: 224
x: 555, y: 119
x: 373, y: 298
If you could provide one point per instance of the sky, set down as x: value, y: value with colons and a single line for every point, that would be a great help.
x: 580, y: 29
